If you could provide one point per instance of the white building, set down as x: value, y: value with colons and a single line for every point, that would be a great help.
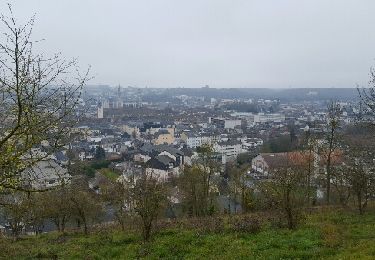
x: 225, y: 123
x: 250, y: 143
x: 229, y: 150
x: 265, y: 118
x: 194, y: 140
x: 100, y: 112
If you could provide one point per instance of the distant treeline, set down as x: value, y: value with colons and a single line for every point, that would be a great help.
x: 242, y: 107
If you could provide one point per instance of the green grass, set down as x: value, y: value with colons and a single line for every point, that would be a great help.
x: 110, y: 174
x: 332, y: 235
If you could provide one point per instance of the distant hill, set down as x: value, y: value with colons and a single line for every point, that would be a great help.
x: 291, y: 94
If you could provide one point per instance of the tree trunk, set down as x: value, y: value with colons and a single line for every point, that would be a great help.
x: 328, y: 181
x: 147, y: 231
x: 63, y: 224
x: 288, y: 210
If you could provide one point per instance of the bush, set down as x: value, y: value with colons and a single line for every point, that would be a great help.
x: 246, y: 224
x: 278, y: 219
x: 211, y: 224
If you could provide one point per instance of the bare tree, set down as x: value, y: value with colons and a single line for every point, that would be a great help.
x: 208, y: 166
x: 311, y: 146
x: 359, y: 165
x: 340, y: 183
x: 85, y: 206
x: 287, y: 187
x: 38, y: 100
x: 239, y: 191
x: 15, y: 210
x: 361, y: 179
x: 149, y: 196
x: 193, y: 191
x: 333, y: 118
x: 58, y: 206
x: 367, y: 100
x: 119, y: 196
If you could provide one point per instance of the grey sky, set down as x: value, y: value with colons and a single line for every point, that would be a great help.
x: 223, y: 43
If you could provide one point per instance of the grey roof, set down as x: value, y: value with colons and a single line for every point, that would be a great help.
x: 169, y: 149
x: 187, y: 151
x: 60, y: 156
x: 150, y: 149
x: 164, y: 159
x: 44, y: 170
x: 229, y: 142
x: 162, y: 131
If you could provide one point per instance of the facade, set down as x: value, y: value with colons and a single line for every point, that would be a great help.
x: 229, y: 150
x: 166, y: 164
x: 225, y: 123
x: 131, y: 129
x: 164, y: 136
x: 250, y: 143
x: 268, y: 118
x: 194, y: 140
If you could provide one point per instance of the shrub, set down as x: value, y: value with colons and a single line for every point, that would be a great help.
x: 246, y: 224
x: 213, y: 224
x: 278, y: 219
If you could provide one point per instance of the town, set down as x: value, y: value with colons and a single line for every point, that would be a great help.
x: 187, y: 130
x: 126, y: 131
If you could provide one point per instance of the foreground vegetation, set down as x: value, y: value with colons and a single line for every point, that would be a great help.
x: 326, y: 234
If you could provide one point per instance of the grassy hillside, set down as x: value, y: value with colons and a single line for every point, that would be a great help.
x: 325, y: 235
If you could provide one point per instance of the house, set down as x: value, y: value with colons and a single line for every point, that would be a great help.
x: 264, y: 163
x: 163, y: 136
x: 163, y: 167
x: 163, y: 160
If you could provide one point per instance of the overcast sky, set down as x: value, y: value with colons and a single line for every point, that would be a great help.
x: 222, y: 43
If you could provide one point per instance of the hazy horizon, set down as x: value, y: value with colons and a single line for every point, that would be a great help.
x: 223, y: 44
x: 200, y: 87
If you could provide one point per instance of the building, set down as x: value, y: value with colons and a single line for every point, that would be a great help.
x: 250, y: 143
x: 194, y: 140
x: 100, y: 112
x: 229, y: 150
x: 268, y: 118
x: 163, y: 137
x: 225, y: 123
x: 164, y: 162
